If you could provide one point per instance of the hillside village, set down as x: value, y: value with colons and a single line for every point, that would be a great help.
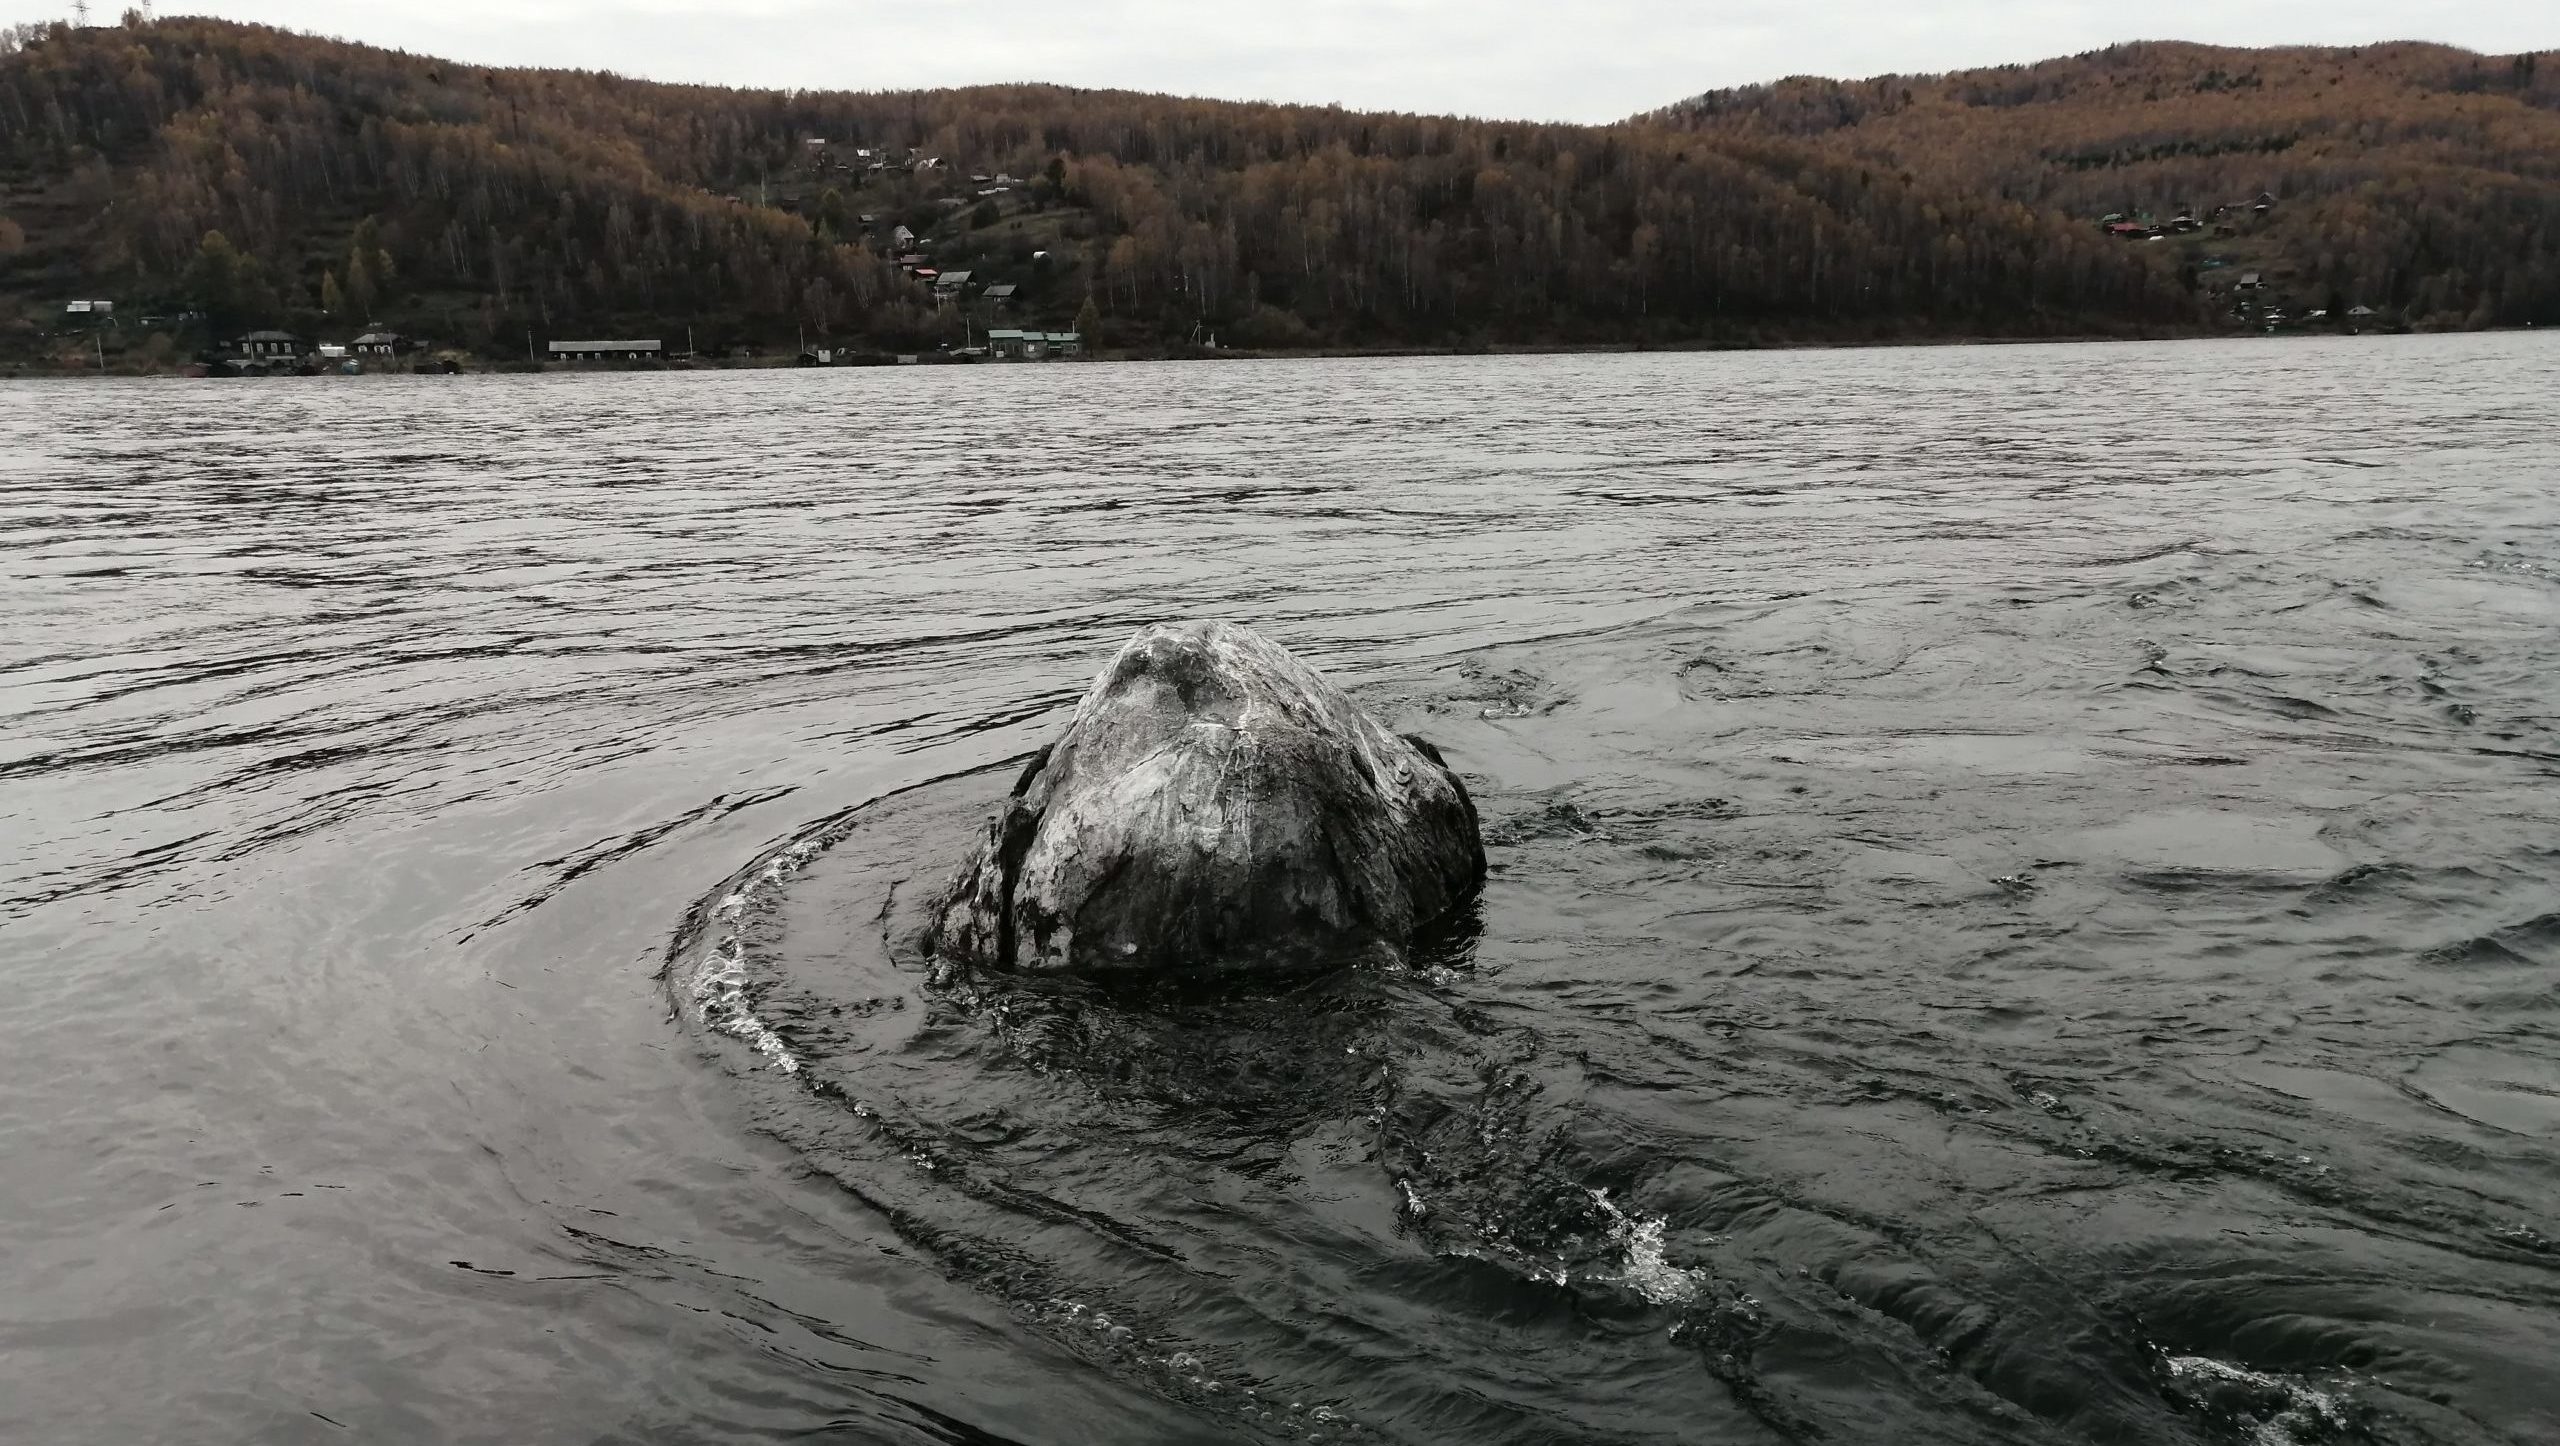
x: 994, y: 258
x: 989, y: 256
x: 2224, y: 256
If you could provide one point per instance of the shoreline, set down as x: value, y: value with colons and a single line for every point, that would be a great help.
x: 31, y: 373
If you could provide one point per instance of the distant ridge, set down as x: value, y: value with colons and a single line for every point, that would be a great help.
x: 215, y: 177
x: 2421, y: 180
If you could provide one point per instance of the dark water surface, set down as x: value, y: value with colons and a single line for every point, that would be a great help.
x: 2024, y: 906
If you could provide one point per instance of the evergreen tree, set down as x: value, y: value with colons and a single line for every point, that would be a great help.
x: 359, y: 289
x: 230, y: 287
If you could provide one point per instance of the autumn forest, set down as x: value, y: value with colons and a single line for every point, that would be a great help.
x: 212, y: 177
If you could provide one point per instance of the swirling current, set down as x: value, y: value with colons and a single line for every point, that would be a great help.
x: 2022, y: 906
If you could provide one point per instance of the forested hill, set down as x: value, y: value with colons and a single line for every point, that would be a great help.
x: 2421, y: 180
x: 211, y: 177
x: 274, y: 178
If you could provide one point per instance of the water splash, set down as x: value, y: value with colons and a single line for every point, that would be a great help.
x: 1641, y: 1241
x: 2275, y: 1410
x: 721, y: 987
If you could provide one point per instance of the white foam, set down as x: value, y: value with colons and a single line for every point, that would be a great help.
x: 1647, y: 1271
x: 718, y: 987
x: 2313, y: 1415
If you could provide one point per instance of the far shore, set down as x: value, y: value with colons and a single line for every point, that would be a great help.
x: 469, y: 366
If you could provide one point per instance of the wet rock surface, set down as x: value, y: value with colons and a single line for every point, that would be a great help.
x: 1214, y: 804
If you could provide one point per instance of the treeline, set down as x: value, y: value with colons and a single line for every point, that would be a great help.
x: 228, y: 167
x: 2420, y: 178
x: 246, y: 169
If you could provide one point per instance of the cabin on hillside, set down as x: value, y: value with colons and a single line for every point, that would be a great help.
x: 269, y: 345
x: 2252, y: 281
x: 595, y: 351
x: 999, y: 295
x: 89, y: 313
x: 379, y: 343
x: 948, y: 285
x: 902, y: 239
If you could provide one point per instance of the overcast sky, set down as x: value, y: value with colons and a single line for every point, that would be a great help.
x: 1588, y: 60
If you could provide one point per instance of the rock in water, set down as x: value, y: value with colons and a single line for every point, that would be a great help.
x: 1214, y: 804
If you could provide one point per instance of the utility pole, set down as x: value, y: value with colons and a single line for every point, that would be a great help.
x: 528, y: 346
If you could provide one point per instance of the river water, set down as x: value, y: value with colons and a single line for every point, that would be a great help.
x: 2023, y: 906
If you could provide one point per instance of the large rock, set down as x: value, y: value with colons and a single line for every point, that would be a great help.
x: 1214, y: 804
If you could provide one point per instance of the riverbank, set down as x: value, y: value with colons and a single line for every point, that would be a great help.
x: 466, y: 365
